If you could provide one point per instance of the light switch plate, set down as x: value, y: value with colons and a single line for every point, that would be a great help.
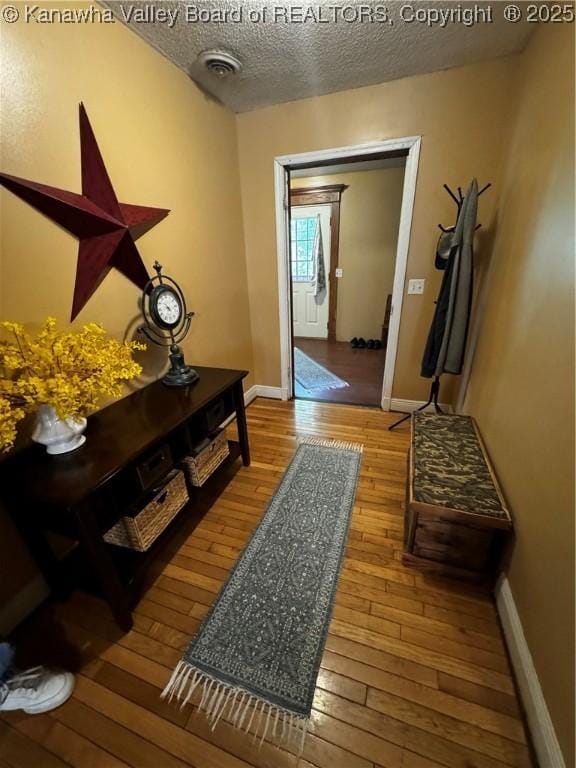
x: 339, y: 271
x: 416, y: 286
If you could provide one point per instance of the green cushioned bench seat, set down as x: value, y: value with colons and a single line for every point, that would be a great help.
x: 456, y: 515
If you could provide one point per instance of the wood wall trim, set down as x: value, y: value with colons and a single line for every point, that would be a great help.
x: 317, y: 195
x: 327, y: 194
x: 333, y: 280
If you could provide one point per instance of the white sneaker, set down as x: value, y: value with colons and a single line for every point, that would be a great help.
x: 36, y: 690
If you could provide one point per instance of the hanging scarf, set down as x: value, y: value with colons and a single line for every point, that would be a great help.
x: 319, y: 278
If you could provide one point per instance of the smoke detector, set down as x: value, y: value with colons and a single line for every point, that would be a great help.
x: 220, y: 63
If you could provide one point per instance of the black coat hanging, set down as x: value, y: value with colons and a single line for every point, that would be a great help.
x: 446, y: 343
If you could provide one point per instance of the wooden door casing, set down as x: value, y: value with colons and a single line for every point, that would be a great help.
x: 319, y: 195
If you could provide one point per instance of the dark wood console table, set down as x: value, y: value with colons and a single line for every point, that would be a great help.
x: 80, y: 495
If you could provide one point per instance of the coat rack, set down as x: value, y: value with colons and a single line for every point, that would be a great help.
x: 435, y: 386
x: 459, y: 200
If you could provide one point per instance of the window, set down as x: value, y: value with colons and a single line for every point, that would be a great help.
x: 302, y: 236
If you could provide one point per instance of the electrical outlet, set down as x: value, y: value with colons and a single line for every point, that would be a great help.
x: 416, y: 286
x: 339, y: 271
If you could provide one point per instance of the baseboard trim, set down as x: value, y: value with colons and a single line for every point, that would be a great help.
x: 250, y: 394
x: 539, y: 720
x: 409, y: 406
x: 276, y: 393
x: 388, y: 404
x: 22, y: 604
x: 256, y: 390
x: 260, y: 390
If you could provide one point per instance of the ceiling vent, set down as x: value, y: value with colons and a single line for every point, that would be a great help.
x: 220, y: 63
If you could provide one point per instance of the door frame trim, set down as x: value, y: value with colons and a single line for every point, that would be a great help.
x: 282, y: 165
x: 325, y: 195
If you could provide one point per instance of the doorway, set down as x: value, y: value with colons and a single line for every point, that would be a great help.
x: 284, y: 167
x: 340, y: 321
x: 309, y: 231
x: 364, y: 276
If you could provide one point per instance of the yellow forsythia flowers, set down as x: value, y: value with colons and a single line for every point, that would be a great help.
x: 67, y: 370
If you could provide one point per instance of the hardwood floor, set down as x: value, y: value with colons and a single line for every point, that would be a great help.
x: 414, y: 674
x: 363, y: 369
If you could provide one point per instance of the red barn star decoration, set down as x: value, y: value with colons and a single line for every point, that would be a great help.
x: 106, y: 229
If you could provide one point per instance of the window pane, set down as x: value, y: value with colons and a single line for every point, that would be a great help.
x: 301, y: 229
x: 302, y: 238
x: 302, y: 251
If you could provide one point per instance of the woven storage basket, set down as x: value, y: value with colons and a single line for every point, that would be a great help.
x: 199, y: 467
x: 140, y: 532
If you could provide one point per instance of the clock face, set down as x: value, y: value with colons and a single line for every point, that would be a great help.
x: 165, y: 307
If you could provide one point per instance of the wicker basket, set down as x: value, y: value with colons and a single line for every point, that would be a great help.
x: 140, y: 532
x: 207, y: 459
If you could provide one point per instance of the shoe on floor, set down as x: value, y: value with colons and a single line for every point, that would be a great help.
x: 377, y: 344
x: 36, y: 690
x: 361, y: 343
x: 370, y: 344
x: 354, y: 342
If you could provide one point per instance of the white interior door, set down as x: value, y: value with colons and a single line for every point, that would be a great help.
x: 309, y: 312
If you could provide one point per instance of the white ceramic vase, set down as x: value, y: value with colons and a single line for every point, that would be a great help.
x: 58, y: 435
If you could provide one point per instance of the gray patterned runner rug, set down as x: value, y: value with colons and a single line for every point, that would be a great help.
x: 256, y: 656
x: 311, y: 375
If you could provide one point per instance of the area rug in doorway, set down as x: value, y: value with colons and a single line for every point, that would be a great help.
x: 311, y: 375
x: 256, y: 656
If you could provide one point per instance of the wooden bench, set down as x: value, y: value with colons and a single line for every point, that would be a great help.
x: 456, y: 517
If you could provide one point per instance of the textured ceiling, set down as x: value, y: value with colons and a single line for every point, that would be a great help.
x: 285, y: 59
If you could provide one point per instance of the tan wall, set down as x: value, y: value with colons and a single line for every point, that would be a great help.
x: 522, y: 385
x: 164, y: 145
x: 369, y: 218
x: 462, y: 116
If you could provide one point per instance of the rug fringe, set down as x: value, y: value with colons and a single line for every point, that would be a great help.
x: 326, y: 442
x: 220, y: 699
